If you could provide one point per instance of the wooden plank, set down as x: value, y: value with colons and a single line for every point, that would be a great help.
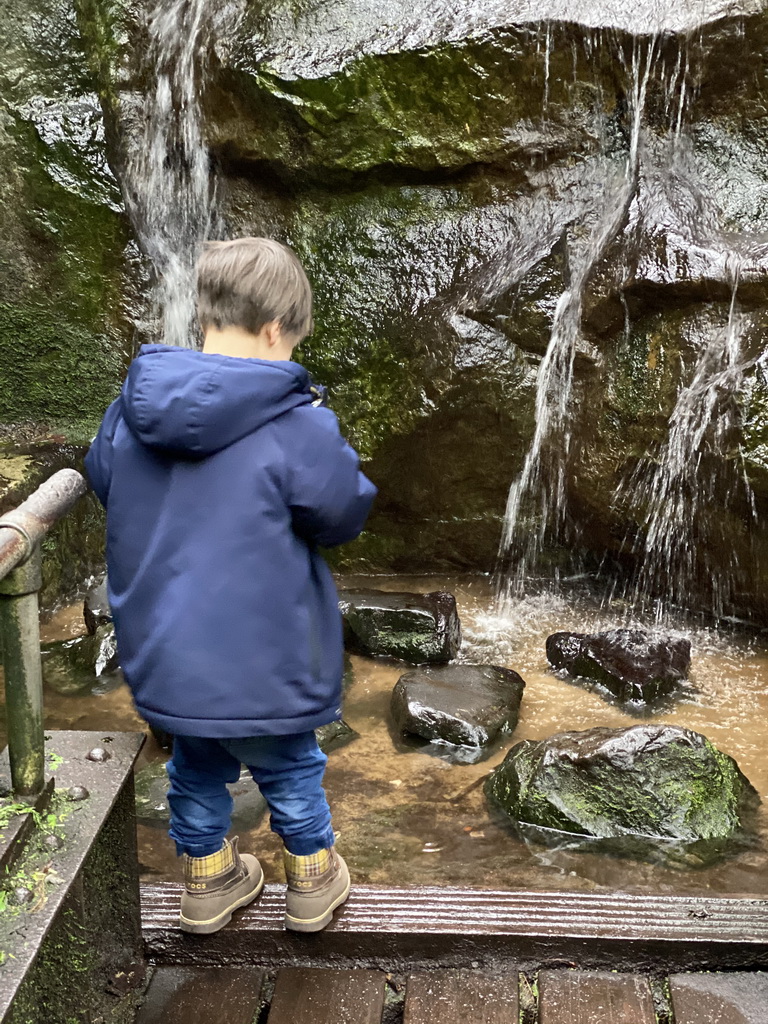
x: 202, y: 995
x: 448, y: 910
x: 451, y: 997
x: 381, y: 926
x: 588, y: 997
x: 720, y: 998
x: 307, y: 995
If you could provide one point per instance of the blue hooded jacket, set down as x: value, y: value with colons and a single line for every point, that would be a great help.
x: 220, y: 478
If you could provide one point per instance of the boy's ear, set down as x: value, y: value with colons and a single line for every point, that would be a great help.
x: 273, y: 332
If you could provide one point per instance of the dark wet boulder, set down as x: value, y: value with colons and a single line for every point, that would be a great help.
x: 634, y: 666
x: 647, y: 788
x: 96, y: 610
x: 83, y: 664
x: 468, y: 705
x: 420, y: 628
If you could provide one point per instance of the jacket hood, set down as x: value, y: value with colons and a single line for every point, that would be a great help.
x: 187, y: 401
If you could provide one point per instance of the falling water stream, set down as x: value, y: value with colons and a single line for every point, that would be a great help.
x: 675, y: 546
x: 167, y: 180
x: 541, y: 486
x: 699, y: 464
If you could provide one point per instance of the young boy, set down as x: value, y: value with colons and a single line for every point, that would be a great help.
x: 221, y: 474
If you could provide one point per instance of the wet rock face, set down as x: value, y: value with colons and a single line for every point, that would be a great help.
x: 647, y: 789
x: 634, y: 666
x: 420, y: 628
x: 467, y: 705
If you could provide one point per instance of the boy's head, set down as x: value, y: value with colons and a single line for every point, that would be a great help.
x: 249, y: 283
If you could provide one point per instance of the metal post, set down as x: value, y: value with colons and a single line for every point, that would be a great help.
x: 21, y: 532
x: 20, y: 634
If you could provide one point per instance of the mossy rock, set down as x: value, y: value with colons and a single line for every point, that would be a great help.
x: 64, y: 335
x: 650, y: 790
x: 420, y: 628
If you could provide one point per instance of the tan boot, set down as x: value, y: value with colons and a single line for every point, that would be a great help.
x: 317, y: 885
x: 216, y: 886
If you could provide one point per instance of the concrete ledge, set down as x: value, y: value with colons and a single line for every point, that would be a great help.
x: 421, y: 928
x: 62, y: 951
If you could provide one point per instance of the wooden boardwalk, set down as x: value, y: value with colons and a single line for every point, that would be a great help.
x: 306, y: 995
x: 466, y: 956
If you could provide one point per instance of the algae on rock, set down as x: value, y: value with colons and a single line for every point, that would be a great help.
x: 650, y: 790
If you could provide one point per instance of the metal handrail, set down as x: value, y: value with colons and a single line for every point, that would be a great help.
x: 21, y: 531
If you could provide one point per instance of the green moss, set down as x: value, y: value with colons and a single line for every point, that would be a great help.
x: 63, y: 334
x: 681, y: 791
x: 442, y: 107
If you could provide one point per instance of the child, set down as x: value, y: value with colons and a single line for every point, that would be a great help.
x: 221, y: 474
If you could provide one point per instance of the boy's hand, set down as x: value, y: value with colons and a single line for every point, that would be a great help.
x: 320, y: 393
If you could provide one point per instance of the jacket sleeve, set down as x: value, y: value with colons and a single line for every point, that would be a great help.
x: 328, y: 496
x: 98, y: 461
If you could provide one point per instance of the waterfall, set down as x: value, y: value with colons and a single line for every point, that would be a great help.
x: 540, y: 487
x: 167, y: 179
x: 698, y: 466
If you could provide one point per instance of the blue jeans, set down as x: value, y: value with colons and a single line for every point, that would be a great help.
x: 287, y: 769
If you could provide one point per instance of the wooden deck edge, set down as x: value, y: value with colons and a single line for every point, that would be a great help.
x: 451, y: 927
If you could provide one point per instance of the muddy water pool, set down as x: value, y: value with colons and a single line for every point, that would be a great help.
x: 405, y: 815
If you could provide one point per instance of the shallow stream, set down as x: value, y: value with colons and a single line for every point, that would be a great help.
x: 405, y: 816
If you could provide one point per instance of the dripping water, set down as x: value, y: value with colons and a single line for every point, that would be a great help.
x: 699, y: 465
x: 540, y: 489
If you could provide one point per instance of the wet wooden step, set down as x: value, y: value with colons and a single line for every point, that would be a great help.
x: 720, y: 998
x: 380, y: 926
x: 309, y: 995
x: 461, y: 997
x: 202, y: 995
x: 595, y: 997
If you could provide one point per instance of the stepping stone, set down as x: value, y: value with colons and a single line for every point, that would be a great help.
x: 307, y: 995
x: 467, y: 705
x: 595, y: 997
x: 650, y: 790
x: 720, y: 998
x: 449, y: 997
x: 420, y: 628
x: 202, y: 995
x: 635, y: 667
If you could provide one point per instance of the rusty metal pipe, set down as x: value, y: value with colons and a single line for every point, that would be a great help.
x: 20, y: 579
x: 24, y: 527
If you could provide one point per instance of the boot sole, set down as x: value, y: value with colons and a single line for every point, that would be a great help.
x: 316, y: 924
x: 214, y: 924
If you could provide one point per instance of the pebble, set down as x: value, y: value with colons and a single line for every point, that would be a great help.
x: 20, y: 895
x: 98, y: 754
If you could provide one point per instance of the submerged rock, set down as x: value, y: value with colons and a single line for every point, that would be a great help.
x: 96, y: 610
x: 420, y: 628
x: 468, y: 705
x: 81, y: 664
x: 634, y: 666
x: 647, y: 789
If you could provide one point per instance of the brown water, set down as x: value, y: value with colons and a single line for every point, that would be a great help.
x: 406, y: 817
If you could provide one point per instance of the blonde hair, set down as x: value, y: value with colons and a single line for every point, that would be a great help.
x: 249, y: 282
